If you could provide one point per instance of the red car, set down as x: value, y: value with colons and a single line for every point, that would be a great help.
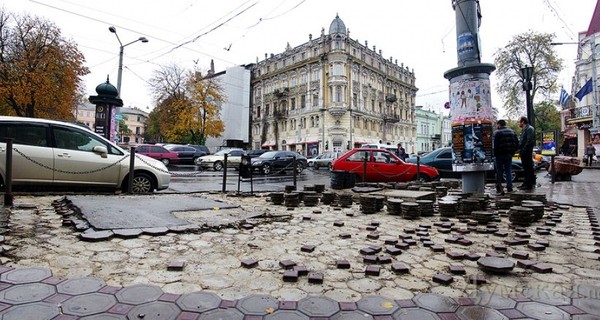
x: 158, y: 152
x: 381, y: 166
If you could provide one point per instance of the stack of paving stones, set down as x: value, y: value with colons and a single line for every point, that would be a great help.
x: 345, y: 200
x: 319, y: 188
x: 394, y: 206
x: 426, y: 208
x: 521, y: 216
x: 504, y: 203
x: 292, y: 199
x: 310, y: 187
x: 467, y: 206
x: 277, y: 198
x: 448, y: 208
x: 537, y: 207
x: 482, y: 217
x: 310, y: 198
x: 441, y: 191
x: 368, y: 204
x: 328, y: 197
x: 290, y: 188
x: 410, y: 210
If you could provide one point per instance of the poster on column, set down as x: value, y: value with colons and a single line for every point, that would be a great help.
x: 472, y: 120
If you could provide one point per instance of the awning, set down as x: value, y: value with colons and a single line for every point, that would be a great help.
x: 579, y: 120
x: 268, y: 143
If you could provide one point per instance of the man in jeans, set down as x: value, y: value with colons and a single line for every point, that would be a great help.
x: 505, y: 144
x: 526, y: 143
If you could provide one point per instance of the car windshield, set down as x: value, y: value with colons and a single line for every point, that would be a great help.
x: 268, y: 155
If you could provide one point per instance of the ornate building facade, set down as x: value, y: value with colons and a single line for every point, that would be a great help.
x: 331, y: 94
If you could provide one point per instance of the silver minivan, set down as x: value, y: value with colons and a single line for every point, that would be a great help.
x: 53, y: 153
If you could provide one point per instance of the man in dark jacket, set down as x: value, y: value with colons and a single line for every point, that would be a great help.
x: 505, y: 144
x: 526, y: 144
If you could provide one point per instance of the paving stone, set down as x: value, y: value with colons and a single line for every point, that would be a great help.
x: 516, y: 242
x: 318, y: 306
x: 500, y: 247
x: 373, y: 236
x: 493, y: 300
x: 227, y: 304
x: 376, y: 249
x: 302, y: 270
x: 393, y: 251
x: 229, y: 314
x: 435, y: 302
x: 476, y: 279
x: 384, y: 259
x: 465, y: 242
x: 404, y: 236
x: 371, y: 259
x: 402, y: 245
x: 367, y: 251
x: 372, y: 270
x: 258, y: 305
x: 536, y: 247
x: 249, y: 263
x: 410, y: 242
x: 526, y: 264
x: 27, y: 293
x: 37, y: 311
x: 454, y: 255
x: 306, y: 218
x: 494, y: 254
x: 25, y: 275
x: 288, y: 305
x: 307, y: 248
x: 347, y: 315
x: 512, y: 313
x: 543, y: 242
x: 547, y: 297
x: 495, y: 264
x: 443, y: 278
x: 377, y: 305
x: 343, y: 264
x: 520, y: 255
x: 415, y: 313
x: 201, y: 301
x: 371, y: 228
x: 88, y: 304
x: 400, y: 268
x: 390, y: 241
x: 471, y: 256
x: 176, y: 265
x: 138, y: 294
x: 338, y: 224
x: 479, y: 312
x: 315, y: 277
x: 538, y: 310
x: 501, y: 234
x: 155, y: 231
x: 345, y: 235
x: 437, y: 248
x: 80, y: 286
x: 456, y: 269
x: 290, y: 276
x: 541, y: 268
x: 287, y: 264
x: 588, y: 305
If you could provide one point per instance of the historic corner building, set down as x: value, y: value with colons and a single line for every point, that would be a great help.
x: 331, y: 94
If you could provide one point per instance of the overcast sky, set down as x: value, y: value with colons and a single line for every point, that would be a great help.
x: 420, y: 34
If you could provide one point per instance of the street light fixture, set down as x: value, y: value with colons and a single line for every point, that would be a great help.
x: 122, y: 46
x: 526, y: 74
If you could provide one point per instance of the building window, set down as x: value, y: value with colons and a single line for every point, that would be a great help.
x: 303, y: 78
x: 355, y: 99
x: 315, y: 100
x: 303, y: 55
x: 303, y: 101
x: 258, y: 112
x: 317, y: 121
x: 293, y: 104
x: 338, y: 94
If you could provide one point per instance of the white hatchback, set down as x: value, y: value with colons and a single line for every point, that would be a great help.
x: 51, y: 153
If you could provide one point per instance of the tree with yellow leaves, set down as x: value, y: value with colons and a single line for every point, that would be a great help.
x: 40, y: 71
x: 187, y: 106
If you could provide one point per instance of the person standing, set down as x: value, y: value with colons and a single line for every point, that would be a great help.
x: 401, y: 153
x: 505, y: 144
x: 590, y: 152
x: 526, y: 144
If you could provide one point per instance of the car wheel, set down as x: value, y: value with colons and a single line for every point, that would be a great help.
x: 422, y: 178
x: 142, y: 183
x: 165, y: 161
x: 266, y: 169
x: 316, y: 166
x: 514, y: 176
x: 299, y: 167
x: 218, y: 166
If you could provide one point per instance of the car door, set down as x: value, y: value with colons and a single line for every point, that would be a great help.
x: 234, y: 158
x: 443, y: 163
x: 76, y: 162
x: 33, y: 158
x: 386, y: 168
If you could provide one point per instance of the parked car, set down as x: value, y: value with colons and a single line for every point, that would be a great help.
x: 52, y: 154
x: 255, y: 153
x: 275, y: 161
x: 326, y: 160
x: 441, y: 159
x: 311, y: 161
x: 200, y: 147
x: 185, y: 154
x: 217, y: 161
x: 381, y: 166
x: 158, y: 152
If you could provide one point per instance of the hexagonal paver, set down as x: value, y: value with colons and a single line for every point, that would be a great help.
x: 318, y: 306
x: 139, y: 294
x: 88, y: 304
x: 377, y: 305
x: 541, y: 311
x: 229, y: 314
x: 199, y: 301
x: 26, y: 275
x: 588, y: 305
x: 479, y: 312
x: 105, y: 316
x: 549, y: 297
x: 27, y: 293
x: 258, y: 305
x: 351, y: 315
x: 80, y: 286
x: 37, y: 311
x: 435, y: 302
x: 588, y: 290
x: 492, y: 300
x: 414, y: 313
x: 156, y: 310
x: 287, y: 315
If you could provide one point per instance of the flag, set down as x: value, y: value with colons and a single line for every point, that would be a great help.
x: 564, y: 97
x: 587, y: 88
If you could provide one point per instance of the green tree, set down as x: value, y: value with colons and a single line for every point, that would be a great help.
x: 40, y: 71
x: 547, y: 119
x: 527, y: 49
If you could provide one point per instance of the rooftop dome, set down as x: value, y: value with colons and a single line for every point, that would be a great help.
x: 107, y: 89
x: 337, y: 26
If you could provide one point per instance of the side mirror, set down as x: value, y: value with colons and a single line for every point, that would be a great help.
x: 101, y: 150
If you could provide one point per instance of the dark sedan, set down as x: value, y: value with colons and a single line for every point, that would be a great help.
x: 187, y: 154
x: 441, y: 159
x: 278, y: 162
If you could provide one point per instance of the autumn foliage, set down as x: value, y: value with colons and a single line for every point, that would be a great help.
x: 40, y: 71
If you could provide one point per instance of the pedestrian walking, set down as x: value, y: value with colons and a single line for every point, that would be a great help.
x: 526, y: 144
x: 504, y: 144
x: 401, y: 153
x: 590, y: 152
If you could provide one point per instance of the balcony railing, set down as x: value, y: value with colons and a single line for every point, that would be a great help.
x: 391, y: 117
x: 580, y: 114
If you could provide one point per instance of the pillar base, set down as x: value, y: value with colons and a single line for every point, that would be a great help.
x: 473, y: 181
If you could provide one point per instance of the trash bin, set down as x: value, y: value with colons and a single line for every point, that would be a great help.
x: 245, y: 167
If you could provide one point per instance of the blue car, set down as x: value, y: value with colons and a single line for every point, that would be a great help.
x: 441, y: 159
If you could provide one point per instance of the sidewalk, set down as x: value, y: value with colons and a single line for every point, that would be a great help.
x: 241, y: 273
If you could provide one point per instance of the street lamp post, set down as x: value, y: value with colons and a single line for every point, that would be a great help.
x: 122, y: 46
x: 526, y: 74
